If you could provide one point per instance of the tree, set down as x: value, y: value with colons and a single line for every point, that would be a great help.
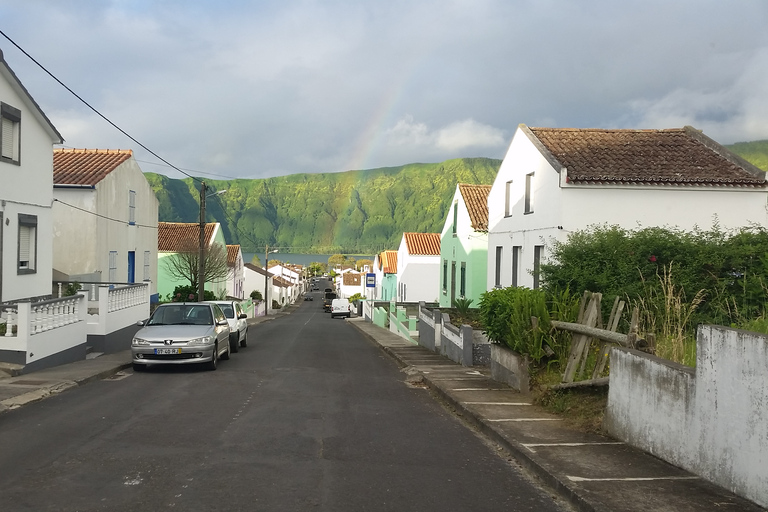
x: 256, y: 260
x: 184, y: 264
x: 336, y: 260
x: 316, y: 268
x: 359, y: 264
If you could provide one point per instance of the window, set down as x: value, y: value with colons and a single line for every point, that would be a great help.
x: 132, y: 207
x: 10, y: 135
x: 455, y: 216
x: 463, y: 280
x: 146, y: 266
x: 529, y: 193
x: 499, y: 250
x: 508, y: 200
x: 515, y: 263
x: 445, y: 276
x: 538, y: 250
x: 27, y: 244
x: 112, y: 266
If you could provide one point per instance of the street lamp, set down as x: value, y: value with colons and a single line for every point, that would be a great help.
x: 201, y: 262
x: 267, y: 252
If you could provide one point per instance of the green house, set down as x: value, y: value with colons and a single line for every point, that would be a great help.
x: 464, y: 246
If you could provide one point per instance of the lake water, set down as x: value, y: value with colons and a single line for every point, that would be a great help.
x: 298, y: 259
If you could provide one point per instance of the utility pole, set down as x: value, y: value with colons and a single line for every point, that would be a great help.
x: 201, y: 262
x: 266, y: 280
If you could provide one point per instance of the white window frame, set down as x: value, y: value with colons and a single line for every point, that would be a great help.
x: 508, y: 199
x: 27, y: 244
x: 529, y: 193
x: 147, y: 277
x: 132, y: 207
x: 112, y: 266
x: 10, y: 134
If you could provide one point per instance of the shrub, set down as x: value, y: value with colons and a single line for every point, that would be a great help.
x: 185, y: 293
x: 275, y: 304
x: 507, y: 313
x: 462, y: 306
x: 256, y: 296
x: 355, y: 297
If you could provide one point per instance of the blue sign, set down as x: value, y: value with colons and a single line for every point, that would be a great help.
x: 370, y: 280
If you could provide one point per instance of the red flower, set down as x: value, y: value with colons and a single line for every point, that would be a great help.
x: 192, y: 296
x: 652, y: 259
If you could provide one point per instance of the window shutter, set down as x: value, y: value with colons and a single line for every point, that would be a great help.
x: 7, y: 137
x: 24, y: 245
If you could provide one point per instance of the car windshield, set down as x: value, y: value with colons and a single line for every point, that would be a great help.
x: 182, y: 314
x: 228, y: 310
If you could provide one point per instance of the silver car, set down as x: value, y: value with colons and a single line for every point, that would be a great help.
x: 182, y: 333
x: 238, y: 327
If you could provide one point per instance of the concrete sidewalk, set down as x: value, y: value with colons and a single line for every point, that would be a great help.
x: 592, y: 472
x: 20, y: 390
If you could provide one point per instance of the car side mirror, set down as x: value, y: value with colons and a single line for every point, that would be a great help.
x: 222, y: 322
x: 141, y: 323
x: 242, y: 315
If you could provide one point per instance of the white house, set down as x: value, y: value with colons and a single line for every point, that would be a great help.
x: 418, y: 267
x: 464, y: 246
x: 236, y: 278
x: 255, y: 278
x: 556, y: 181
x: 385, y: 269
x: 105, y: 218
x: 26, y: 192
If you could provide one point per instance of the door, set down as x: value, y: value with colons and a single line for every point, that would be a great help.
x: 131, y: 266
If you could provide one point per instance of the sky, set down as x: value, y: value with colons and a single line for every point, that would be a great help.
x: 253, y: 89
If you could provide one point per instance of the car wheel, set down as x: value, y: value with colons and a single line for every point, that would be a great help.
x: 213, y: 363
x: 244, y: 343
x: 139, y: 367
x: 228, y: 352
x: 234, y: 343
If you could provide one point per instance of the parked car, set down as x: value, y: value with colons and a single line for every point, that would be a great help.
x: 238, y: 327
x: 182, y: 333
x: 308, y: 297
x: 340, y: 307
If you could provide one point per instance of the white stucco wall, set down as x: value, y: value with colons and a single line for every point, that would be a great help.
x: 712, y: 421
x: 26, y: 189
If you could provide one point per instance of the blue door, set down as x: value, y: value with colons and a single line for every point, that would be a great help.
x: 131, y: 266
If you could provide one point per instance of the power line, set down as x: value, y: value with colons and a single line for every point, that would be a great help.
x: 94, y: 109
x: 121, y: 221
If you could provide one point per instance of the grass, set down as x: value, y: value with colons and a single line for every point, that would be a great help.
x: 581, y: 408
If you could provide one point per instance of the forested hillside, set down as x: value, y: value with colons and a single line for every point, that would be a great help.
x: 755, y: 152
x: 356, y: 211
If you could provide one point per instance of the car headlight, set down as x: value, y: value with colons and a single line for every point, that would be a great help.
x: 138, y: 342
x: 204, y: 340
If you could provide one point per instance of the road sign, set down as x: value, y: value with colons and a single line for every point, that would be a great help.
x: 370, y: 280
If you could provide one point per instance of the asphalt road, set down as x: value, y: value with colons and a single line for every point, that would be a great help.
x: 310, y: 416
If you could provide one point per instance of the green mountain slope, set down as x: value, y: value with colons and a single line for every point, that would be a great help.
x: 755, y: 152
x: 356, y: 211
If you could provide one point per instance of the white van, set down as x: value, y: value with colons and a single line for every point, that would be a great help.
x: 340, y: 307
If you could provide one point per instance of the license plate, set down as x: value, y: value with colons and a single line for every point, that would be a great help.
x: 164, y: 351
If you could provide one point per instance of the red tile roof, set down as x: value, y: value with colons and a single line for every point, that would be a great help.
x: 681, y: 156
x: 351, y: 279
x: 422, y: 244
x: 86, y: 166
x: 476, y: 199
x: 232, y: 252
x: 181, y: 236
x: 388, y: 261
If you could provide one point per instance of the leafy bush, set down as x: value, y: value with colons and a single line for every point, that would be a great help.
x: 185, y: 293
x: 71, y: 289
x: 256, y: 296
x: 275, y: 304
x: 507, y: 314
x: 462, y: 305
x: 355, y: 297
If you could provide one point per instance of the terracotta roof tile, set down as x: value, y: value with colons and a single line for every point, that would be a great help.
x: 86, y: 166
x: 389, y: 262
x: 232, y: 252
x: 476, y: 199
x: 681, y: 156
x: 180, y: 236
x: 423, y: 244
x: 351, y: 279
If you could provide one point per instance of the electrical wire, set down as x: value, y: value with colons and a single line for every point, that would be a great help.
x: 105, y: 118
x: 103, y: 216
